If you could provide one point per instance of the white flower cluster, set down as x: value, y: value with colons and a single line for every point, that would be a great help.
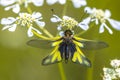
x: 15, y: 4
x: 114, y: 72
x: 24, y: 19
x: 100, y: 16
x: 67, y: 22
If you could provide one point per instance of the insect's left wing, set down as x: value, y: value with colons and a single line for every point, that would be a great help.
x: 79, y: 57
x: 40, y: 43
x: 54, y: 57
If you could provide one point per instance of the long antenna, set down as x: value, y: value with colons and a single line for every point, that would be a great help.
x: 81, y: 18
x: 83, y: 15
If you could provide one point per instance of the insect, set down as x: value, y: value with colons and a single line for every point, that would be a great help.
x: 68, y: 47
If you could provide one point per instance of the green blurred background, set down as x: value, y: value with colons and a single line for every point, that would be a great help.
x: 21, y: 62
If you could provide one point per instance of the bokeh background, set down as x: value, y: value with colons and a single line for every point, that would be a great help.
x: 19, y: 61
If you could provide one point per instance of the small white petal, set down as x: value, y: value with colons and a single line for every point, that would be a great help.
x: 29, y: 32
x: 96, y: 21
x: 36, y: 30
x: 6, y: 27
x: 115, y: 63
x: 40, y: 23
x: 88, y: 10
x: 115, y: 24
x: 9, y: 20
x: 7, y: 2
x: 38, y: 2
x: 36, y: 15
x: 66, y: 17
x: 16, y: 8
x: 107, y: 13
x: 12, y: 28
x: 87, y: 20
x: 59, y: 28
x: 109, y: 30
x: 7, y: 8
x: 61, y: 33
x: 93, y: 19
x: 79, y: 3
x: 50, y: 2
x: 26, y: 3
x: 55, y: 18
x: 83, y: 26
x: 62, y: 1
x: 101, y: 30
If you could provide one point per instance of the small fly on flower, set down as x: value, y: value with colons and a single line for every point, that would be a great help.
x: 68, y: 47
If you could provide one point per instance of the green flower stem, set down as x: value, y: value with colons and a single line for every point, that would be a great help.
x: 90, y: 70
x: 43, y: 29
x: 65, y: 8
x: 46, y: 32
x: 62, y: 72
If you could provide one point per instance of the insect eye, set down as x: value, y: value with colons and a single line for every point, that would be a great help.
x: 68, y: 32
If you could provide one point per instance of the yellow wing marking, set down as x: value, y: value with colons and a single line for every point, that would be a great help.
x: 56, y: 43
x: 78, y: 38
x: 78, y: 43
x: 54, y: 57
x: 79, y: 57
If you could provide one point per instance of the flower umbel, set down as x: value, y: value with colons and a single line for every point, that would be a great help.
x: 24, y: 19
x: 114, y: 72
x: 67, y: 22
x: 100, y: 16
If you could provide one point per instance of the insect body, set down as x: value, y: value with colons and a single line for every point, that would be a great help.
x: 69, y: 47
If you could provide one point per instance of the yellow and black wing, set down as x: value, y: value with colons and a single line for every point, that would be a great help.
x: 54, y: 56
x: 44, y: 44
x: 79, y: 57
x: 84, y: 44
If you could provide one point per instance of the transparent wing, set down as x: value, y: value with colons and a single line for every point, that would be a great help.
x: 78, y: 57
x: 93, y: 45
x: 54, y: 57
x: 90, y: 44
x: 40, y: 43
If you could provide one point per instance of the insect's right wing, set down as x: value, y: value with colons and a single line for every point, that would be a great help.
x: 40, y: 43
x: 80, y: 58
x: 52, y: 58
